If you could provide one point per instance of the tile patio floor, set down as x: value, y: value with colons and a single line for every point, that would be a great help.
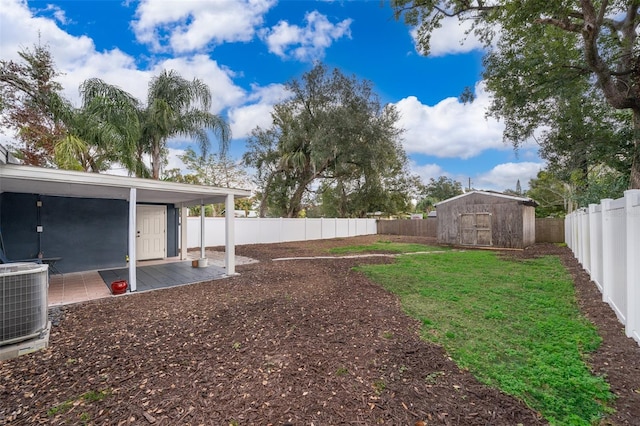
x: 75, y: 287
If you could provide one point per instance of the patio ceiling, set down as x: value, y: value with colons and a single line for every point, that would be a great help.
x: 65, y: 183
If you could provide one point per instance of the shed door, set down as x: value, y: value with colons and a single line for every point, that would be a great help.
x: 151, y: 238
x: 475, y: 229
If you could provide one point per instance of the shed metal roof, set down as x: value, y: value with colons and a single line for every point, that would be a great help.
x: 523, y: 200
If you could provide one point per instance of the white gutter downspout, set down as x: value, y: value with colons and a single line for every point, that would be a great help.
x: 132, y: 239
x: 230, y: 244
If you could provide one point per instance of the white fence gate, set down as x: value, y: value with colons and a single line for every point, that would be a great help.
x: 276, y: 230
x: 605, y: 238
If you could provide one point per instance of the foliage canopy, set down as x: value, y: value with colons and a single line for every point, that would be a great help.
x: 543, y: 57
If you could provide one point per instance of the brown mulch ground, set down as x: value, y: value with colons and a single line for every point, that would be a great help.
x: 304, y: 342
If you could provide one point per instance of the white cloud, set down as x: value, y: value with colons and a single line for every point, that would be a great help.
x: 504, y: 176
x: 453, y: 37
x: 57, y: 13
x: 450, y: 128
x: 305, y: 43
x: 173, y: 162
x: 427, y: 171
x: 257, y: 112
x: 187, y: 26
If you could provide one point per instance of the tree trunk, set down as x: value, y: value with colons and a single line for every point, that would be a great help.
x: 634, y: 178
x: 296, y: 199
x: 155, y: 161
x: 263, y: 202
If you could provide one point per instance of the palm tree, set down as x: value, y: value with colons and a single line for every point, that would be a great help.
x: 106, y: 129
x: 176, y: 106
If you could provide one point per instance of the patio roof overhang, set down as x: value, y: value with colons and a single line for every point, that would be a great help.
x: 65, y: 183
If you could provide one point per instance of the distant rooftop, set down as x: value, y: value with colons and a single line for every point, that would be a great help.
x: 6, y: 157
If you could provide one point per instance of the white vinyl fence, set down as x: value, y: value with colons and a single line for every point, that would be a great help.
x: 276, y: 230
x: 605, y: 238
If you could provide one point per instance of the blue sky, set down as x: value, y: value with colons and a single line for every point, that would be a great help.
x: 245, y: 50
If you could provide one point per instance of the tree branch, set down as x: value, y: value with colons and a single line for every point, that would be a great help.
x: 563, y: 24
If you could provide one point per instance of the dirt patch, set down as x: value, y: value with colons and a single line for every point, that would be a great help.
x: 298, y: 342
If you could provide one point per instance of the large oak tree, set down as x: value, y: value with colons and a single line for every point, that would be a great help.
x: 332, y: 134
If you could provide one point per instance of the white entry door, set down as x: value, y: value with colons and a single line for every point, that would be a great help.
x: 151, y: 225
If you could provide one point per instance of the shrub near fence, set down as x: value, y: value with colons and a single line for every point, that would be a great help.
x: 276, y: 230
x: 605, y: 238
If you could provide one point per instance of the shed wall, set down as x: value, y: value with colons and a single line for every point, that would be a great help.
x: 512, y: 223
x: 528, y: 225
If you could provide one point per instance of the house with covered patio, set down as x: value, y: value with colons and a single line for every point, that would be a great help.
x: 90, y: 221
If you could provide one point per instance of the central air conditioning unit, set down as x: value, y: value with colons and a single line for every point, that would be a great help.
x: 23, y: 301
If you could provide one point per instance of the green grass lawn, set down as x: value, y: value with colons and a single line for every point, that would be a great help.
x: 514, y: 324
x: 387, y: 246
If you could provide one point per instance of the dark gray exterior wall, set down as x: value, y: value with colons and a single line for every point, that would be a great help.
x: 18, y: 221
x: 173, y: 218
x: 87, y: 233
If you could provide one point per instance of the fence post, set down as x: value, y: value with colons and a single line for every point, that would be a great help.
x: 632, y: 209
x: 595, y: 243
x: 568, y: 235
x: 579, y: 236
x: 574, y: 233
x: 608, y: 241
x: 586, y: 240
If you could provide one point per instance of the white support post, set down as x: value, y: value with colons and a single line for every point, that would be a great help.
x: 132, y: 238
x: 230, y: 244
x: 632, y: 208
x: 202, y: 255
x: 183, y: 233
